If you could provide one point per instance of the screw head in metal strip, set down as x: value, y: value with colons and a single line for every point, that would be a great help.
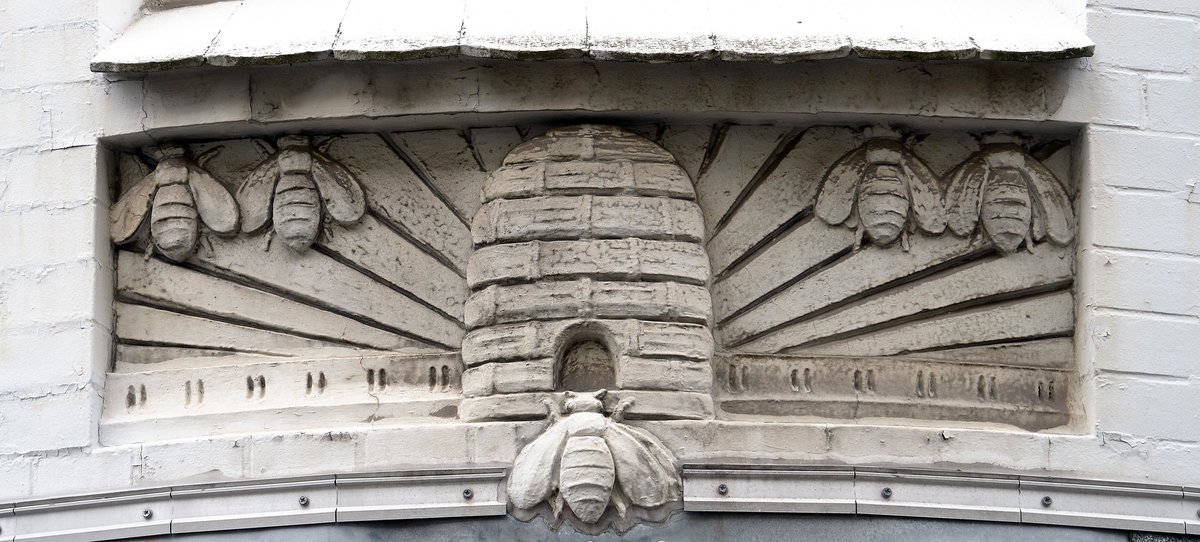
x: 886, y: 493
x: 147, y: 513
x: 1047, y: 501
x: 468, y: 494
x: 303, y: 500
x: 723, y: 489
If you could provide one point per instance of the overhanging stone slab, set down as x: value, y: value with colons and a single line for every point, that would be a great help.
x: 263, y: 32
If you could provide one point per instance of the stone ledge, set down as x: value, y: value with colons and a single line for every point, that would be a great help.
x: 232, y: 33
x: 258, y: 504
x: 278, y: 394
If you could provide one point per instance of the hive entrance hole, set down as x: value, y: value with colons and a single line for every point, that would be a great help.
x: 585, y: 365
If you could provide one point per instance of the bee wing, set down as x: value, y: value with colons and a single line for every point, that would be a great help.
x: 644, y: 468
x: 964, y: 195
x: 216, y: 205
x: 924, y: 194
x: 835, y: 197
x: 1052, y: 214
x: 254, y: 196
x: 344, y: 200
x: 131, y: 209
x: 132, y: 169
x: 534, y: 474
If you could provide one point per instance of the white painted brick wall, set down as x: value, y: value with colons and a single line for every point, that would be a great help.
x: 1170, y: 104
x: 1140, y: 307
x: 1143, y: 41
x: 74, y: 471
x: 1146, y: 160
x: 1177, y: 7
x: 1161, y: 344
x: 45, y: 56
x: 170, y: 462
x: 47, y: 422
x: 1139, y: 271
x: 55, y: 273
x: 1121, y: 406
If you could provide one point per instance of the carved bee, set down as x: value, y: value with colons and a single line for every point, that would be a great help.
x: 883, y: 191
x: 294, y: 188
x: 177, y: 195
x: 586, y: 460
x: 1013, y: 195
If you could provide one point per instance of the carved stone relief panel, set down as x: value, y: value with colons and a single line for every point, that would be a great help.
x: 340, y: 293
x: 694, y: 271
x: 876, y: 274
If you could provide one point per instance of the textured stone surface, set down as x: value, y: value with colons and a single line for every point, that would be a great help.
x: 574, y: 217
x: 544, y: 29
x: 541, y: 339
x: 586, y: 298
x: 649, y: 179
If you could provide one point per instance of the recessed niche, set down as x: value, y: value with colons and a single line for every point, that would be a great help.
x: 586, y: 365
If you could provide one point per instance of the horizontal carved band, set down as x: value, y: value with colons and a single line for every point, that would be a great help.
x: 587, y: 143
x: 961, y: 494
x: 609, y: 259
x: 179, y: 402
x: 632, y: 373
x: 252, y: 504
x: 892, y: 387
x: 579, y: 177
x: 585, y: 298
x: 587, y: 217
x: 646, y: 405
x: 536, y: 340
x: 509, y: 377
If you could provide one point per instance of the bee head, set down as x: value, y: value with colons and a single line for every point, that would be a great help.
x: 292, y: 141
x: 585, y: 402
x: 172, y: 150
x: 884, y: 151
x: 882, y: 131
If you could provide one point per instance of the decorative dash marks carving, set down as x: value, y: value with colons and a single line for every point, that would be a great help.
x: 585, y: 464
x: 591, y: 257
x: 897, y: 388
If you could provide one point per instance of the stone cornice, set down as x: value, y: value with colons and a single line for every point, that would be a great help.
x: 262, y: 32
